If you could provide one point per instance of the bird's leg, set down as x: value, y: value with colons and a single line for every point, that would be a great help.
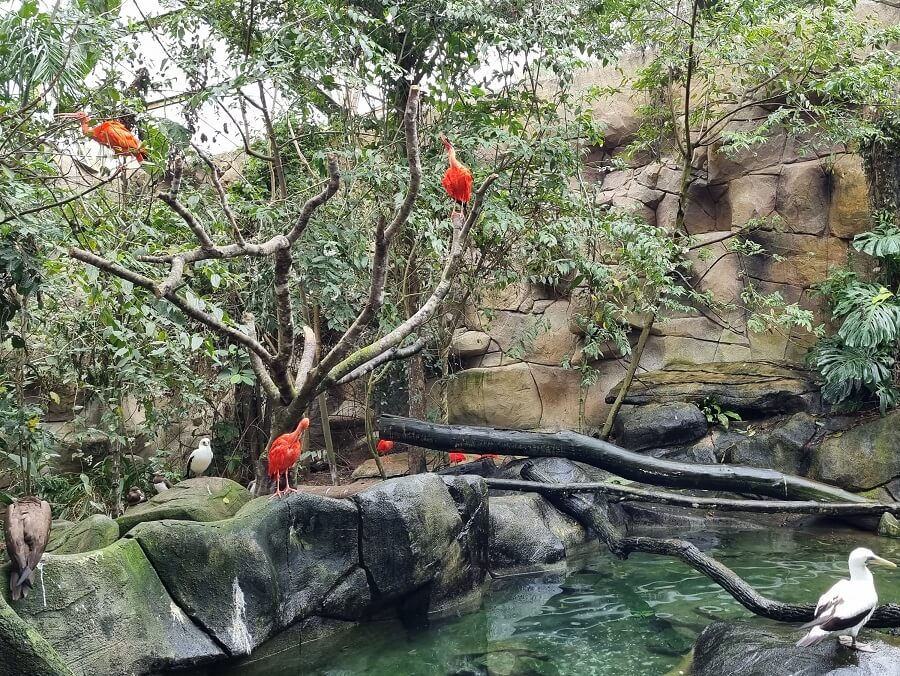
x: 277, y: 485
x: 287, y: 480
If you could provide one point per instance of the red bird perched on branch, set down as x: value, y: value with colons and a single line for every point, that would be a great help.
x: 284, y: 452
x: 111, y: 133
x: 457, y: 179
x: 384, y: 446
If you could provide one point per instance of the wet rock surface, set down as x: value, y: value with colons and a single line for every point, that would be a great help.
x: 745, y: 650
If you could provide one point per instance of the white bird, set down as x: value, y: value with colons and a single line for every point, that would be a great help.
x: 845, y: 608
x: 199, y: 460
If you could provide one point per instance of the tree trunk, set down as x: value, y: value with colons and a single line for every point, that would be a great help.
x: 629, y: 376
x: 593, y: 516
x: 627, y: 464
x: 416, y: 366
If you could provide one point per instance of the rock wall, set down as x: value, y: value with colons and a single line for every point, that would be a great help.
x: 813, y: 198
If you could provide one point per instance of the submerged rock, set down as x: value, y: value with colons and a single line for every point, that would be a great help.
x: 745, y: 650
x: 657, y: 425
x: 751, y: 388
x: 889, y: 526
x: 862, y: 457
x: 107, y: 612
x: 275, y: 562
x: 200, y: 499
x: 95, y: 532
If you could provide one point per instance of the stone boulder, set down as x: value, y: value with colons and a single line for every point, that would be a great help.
x: 862, y: 457
x: 424, y: 535
x: 747, y: 650
x: 95, y: 532
x: 200, y: 499
x: 753, y: 389
x: 25, y: 651
x: 466, y: 344
x: 275, y: 562
x: 783, y: 447
x: 657, y: 425
x: 889, y: 526
x: 107, y: 612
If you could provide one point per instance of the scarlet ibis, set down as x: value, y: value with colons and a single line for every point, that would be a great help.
x: 457, y: 179
x: 283, y: 453
x: 26, y: 529
x: 110, y: 133
x: 456, y: 458
x: 199, y: 460
x: 384, y: 446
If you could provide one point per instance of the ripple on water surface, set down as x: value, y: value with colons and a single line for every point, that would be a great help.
x: 599, y: 617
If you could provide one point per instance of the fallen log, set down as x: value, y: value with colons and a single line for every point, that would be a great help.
x: 618, y: 493
x: 593, y: 517
x: 602, y: 454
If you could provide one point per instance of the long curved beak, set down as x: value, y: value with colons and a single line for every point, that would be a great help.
x: 883, y: 562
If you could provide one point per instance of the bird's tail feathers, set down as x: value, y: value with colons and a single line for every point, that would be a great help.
x: 20, y: 583
x: 814, y: 637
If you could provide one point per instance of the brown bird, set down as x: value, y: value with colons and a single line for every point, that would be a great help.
x: 27, y: 528
x: 135, y: 496
x: 160, y: 483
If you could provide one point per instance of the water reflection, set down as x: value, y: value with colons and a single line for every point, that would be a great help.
x: 601, y: 616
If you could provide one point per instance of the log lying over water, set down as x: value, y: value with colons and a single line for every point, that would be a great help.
x: 592, y: 516
x: 627, y: 464
x: 617, y: 493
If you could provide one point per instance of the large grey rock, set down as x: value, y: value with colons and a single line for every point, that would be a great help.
x: 200, y: 499
x: 25, y: 651
x: 860, y: 458
x: 275, y: 562
x: 95, y: 532
x: 528, y: 532
x: 782, y: 447
x: 747, y: 650
x: 107, y: 612
x: 656, y: 425
x: 416, y: 537
x: 753, y: 388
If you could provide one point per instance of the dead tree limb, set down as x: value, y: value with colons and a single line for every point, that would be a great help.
x: 617, y: 493
x: 592, y: 516
x: 627, y: 464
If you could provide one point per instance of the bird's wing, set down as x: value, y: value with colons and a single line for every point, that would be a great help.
x: 37, y: 525
x: 187, y: 467
x: 843, y: 606
x: 16, y: 546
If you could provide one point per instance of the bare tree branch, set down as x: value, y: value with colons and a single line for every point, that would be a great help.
x: 223, y: 197
x: 310, y: 347
x: 182, y: 304
x: 259, y: 368
x: 394, y: 354
x: 415, y: 166
x: 424, y: 313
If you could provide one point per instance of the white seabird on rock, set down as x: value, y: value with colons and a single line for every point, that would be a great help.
x: 845, y: 608
x: 199, y: 460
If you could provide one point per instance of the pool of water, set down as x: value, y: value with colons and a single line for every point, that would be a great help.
x: 596, y: 616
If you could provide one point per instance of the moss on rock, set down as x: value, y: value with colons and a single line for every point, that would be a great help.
x: 201, y: 499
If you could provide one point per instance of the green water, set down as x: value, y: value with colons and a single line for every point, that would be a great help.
x: 596, y: 616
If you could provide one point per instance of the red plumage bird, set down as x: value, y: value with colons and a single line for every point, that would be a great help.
x: 283, y: 453
x: 457, y: 179
x: 456, y: 458
x: 384, y: 446
x: 110, y: 133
